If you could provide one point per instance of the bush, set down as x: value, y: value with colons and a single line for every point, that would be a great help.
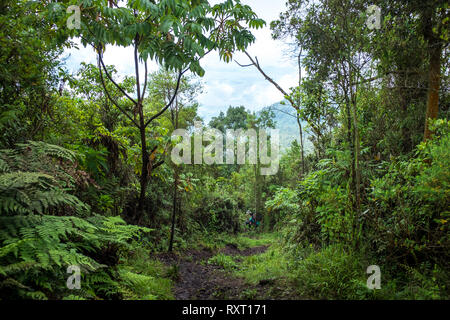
x: 284, y: 202
x: 331, y: 273
x: 218, y: 214
x: 408, y: 220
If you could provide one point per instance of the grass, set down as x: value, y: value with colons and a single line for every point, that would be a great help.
x: 243, y: 241
x: 211, y: 241
x: 331, y: 273
x: 142, y: 278
x: 224, y: 261
x: 249, y: 294
x: 269, y: 269
x: 216, y: 241
x: 268, y: 266
x: 334, y: 272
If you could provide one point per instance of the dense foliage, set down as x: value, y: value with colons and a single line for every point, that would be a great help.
x: 86, y: 177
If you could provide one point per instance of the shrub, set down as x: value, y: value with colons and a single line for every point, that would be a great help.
x: 331, y: 273
x: 409, y: 218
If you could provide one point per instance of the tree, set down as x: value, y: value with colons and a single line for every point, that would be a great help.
x: 409, y: 50
x: 316, y: 107
x: 30, y: 71
x: 183, y: 112
x: 177, y: 34
x: 334, y: 34
x: 101, y: 119
x: 435, y: 32
x: 236, y: 118
x: 258, y: 121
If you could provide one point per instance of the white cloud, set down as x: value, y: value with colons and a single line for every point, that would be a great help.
x: 226, y: 89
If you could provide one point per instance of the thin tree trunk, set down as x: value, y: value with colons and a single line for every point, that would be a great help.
x: 301, y: 145
x: 145, y: 163
x: 357, y: 174
x: 356, y: 157
x: 176, y: 204
x: 257, y: 166
x: 174, y: 211
x: 298, y: 117
x: 433, y: 87
x: 350, y: 140
x: 145, y: 156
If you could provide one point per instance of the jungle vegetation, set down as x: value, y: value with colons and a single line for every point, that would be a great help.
x: 86, y: 176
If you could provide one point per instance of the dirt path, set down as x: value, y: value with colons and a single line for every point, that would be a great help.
x: 199, y: 280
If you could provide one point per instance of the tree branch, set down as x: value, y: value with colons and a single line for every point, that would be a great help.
x: 286, y: 96
x: 256, y: 64
x: 136, y: 68
x: 111, y: 99
x: 110, y: 79
x: 158, y: 164
x: 285, y: 112
x: 145, y: 81
x: 244, y: 65
x: 384, y: 75
x: 180, y: 75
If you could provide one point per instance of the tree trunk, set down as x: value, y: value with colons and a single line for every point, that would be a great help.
x: 433, y: 87
x: 301, y: 145
x: 175, y: 204
x: 257, y: 168
x: 145, y: 163
x: 357, y: 174
x: 174, y: 210
x: 298, y: 117
x: 350, y: 139
x: 356, y: 156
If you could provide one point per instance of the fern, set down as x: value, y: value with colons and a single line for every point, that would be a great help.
x: 36, y: 244
x: 39, y: 149
x: 33, y: 192
x: 40, y: 236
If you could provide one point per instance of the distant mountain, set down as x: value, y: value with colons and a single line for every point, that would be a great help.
x: 286, y: 122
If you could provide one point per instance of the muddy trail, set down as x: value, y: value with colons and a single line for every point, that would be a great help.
x: 198, y: 280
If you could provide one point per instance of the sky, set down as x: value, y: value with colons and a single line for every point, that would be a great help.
x: 225, y: 84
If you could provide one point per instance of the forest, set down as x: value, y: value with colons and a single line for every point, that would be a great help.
x: 94, y: 205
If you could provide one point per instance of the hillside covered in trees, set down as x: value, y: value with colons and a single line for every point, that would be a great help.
x: 94, y: 205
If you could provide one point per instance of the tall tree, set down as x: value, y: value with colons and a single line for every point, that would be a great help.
x: 177, y: 34
x: 334, y: 33
x: 30, y: 71
x: 183, y: 111
x: 259, y: 121
x: 435, y: 33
